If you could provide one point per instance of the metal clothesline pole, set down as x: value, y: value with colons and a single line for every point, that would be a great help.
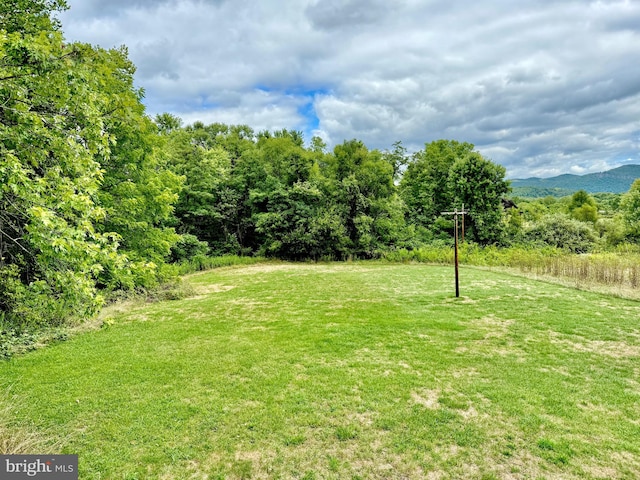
x: 462, y: 239
x: 455, y: 214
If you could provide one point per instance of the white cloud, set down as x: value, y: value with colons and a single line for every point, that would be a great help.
x: 540, y: 87
x: 258, y: 109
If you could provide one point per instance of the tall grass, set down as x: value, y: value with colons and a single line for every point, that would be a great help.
x: 20, y: 440
x: 201, y: 263
x: 612, y: 269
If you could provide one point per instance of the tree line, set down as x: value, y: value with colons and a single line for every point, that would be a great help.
x: 268, y: 194
x: 97, y: 197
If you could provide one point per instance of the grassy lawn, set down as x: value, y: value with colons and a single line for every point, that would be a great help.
x: 345, y: 371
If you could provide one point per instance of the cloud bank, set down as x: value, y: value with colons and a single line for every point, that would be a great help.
x: 540, y: 87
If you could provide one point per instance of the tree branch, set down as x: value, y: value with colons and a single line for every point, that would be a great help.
x: 11, y: 77
x: 14, y: 240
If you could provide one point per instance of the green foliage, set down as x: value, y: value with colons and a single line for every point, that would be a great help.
x: 16, y: 341
x: 562, y: 232
x: 138, y: 190
x: 51, y: 130
x: 479, y: 185
x: 29, y: 16
x: 296, y: 224
x: 538, y: 192
x: 448, y: 174
x: 188, y: 247
x: 513, y: 224
x: 608, y: 203
x: 364, y: 191
x: 630, y: 206
x: 167, y: 123
x: 611, y: 230
x: 424, y: 185
x: 268, y: 195
x: 398, y: 158
x: 80, y: 180
x: 220, y: 168
x: 582, y: 206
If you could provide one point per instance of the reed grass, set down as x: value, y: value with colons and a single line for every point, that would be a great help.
x: 616, y: 270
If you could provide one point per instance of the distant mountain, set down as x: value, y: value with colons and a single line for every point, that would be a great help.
x: 618, y: 180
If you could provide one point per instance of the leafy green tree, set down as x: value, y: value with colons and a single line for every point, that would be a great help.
x: 297, y: 224
x: 479, y: 185
x: 30, y: 17
x: 513, y: 225
x: 608, y: 203
x: 582, y: 206
x: 52, y: 131
x: 82, y: 176
x: 611, y: 230
x: 398, y: 158
x: 318, y: 145
x: 212, y: 199
x: 167, y: 123
x: 424, y: 186
x: 630, y: 207
x: 373, y: 213
x: 294, y: 215
x: 138, y: 193
x: 285, y: 159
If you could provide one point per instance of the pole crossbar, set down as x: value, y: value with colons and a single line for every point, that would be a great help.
x: 455, y: 214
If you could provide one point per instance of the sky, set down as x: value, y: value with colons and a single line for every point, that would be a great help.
x: 541, y: 87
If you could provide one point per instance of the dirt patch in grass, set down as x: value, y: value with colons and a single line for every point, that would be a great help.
x: 464, y: 372
x: 600, y: 472
x: 522, y: 465
x: 491, y: 321
x: 214, y: 288
x: 365, y: 418
x: 427, y: 398
x: 470, y: 412
x: 203, y: 291
x: 600, y: 347
x: 626, y: 460
x: 495, y: 327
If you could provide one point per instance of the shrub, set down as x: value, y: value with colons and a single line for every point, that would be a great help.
x: 188, y: 247
x: 562, y: 232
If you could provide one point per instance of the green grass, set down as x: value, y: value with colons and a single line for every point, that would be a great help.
x: 367, y: 370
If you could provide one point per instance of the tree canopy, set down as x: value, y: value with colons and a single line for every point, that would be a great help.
x: 69, y: 116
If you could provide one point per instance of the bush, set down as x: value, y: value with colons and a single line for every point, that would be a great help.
x: 39, y: 303
x: 17, y: 341
x: 188, y: 247
x: 562, y: 232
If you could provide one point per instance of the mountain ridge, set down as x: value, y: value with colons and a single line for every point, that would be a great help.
x: 616, y: 180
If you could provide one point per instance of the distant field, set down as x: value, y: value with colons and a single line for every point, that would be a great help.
x: 345, y: 371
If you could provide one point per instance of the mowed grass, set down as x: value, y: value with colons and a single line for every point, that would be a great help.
x: 371, y: 371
